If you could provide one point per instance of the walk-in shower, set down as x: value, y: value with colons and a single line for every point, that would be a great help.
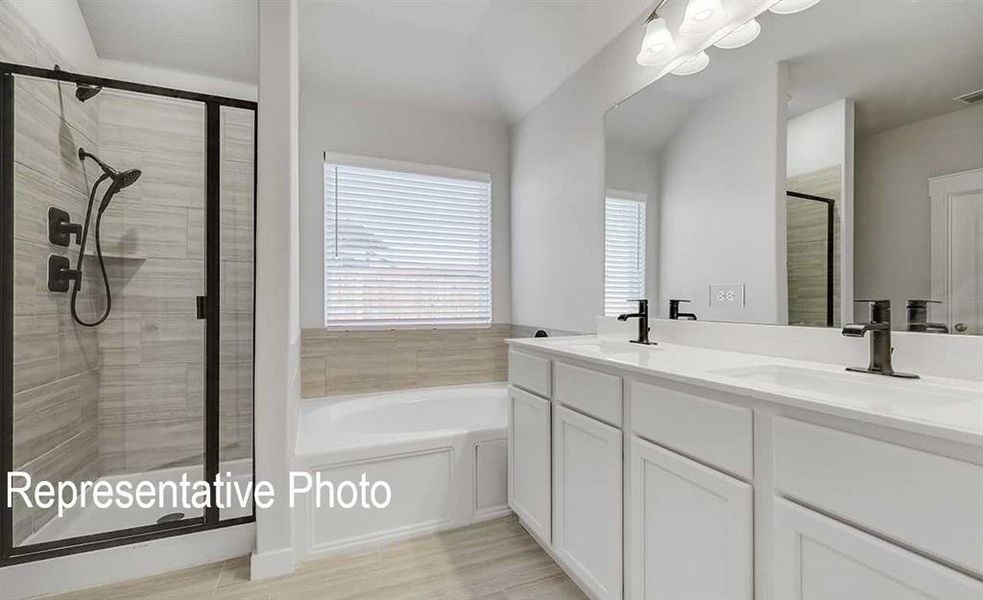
x: 126, y: 301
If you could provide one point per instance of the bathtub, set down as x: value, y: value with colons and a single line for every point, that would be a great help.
x: 441, y: 450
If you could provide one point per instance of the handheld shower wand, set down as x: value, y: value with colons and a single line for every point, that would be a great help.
x: 118, y: 181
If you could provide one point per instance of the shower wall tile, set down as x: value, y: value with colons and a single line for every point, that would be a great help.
x: 237, y: 127
x: 45, y: 416
x: 78, y: 348
x: 172, y: 339
x: 48, y: 143
x: 59, y: 98
x: 54, y: 432
x: 35, y: 193
x: 335, y: 362
x: 35, y: 352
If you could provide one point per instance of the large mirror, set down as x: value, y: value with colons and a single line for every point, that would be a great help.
x: 837, y: 157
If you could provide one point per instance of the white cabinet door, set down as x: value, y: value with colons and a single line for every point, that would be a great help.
x: 587, y: 501
x: 529, y: 460
x: 818, y: 558
x: 690, y: 528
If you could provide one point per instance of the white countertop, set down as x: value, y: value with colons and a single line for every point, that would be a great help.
x: 952, y: 408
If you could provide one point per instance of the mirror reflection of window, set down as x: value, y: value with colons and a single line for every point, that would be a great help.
x: 624, y: 251
x: 837, y: 157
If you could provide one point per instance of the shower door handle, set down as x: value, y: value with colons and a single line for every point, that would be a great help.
x: 201, y: 304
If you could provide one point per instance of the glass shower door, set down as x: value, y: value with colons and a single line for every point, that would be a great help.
x: 107, y: 384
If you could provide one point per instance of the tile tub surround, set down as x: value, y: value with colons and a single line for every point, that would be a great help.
x: 339, y: 362
x: 335, y: 362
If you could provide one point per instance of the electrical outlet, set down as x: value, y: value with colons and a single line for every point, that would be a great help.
x: 726, y: 296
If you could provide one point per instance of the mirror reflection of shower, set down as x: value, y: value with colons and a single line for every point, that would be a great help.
x: 60, y: 272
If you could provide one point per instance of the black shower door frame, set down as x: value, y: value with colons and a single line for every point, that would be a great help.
x: 9, y: 554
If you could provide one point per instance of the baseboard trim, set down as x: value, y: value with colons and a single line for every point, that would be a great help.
x: 264, y: 565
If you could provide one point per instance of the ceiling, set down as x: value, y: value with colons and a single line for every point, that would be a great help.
x: 496, y: 58
x: 490, y: 58
x: 216, y: 38
x: 900, y: 64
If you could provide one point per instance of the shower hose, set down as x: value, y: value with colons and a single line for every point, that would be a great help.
x: 102, y: 264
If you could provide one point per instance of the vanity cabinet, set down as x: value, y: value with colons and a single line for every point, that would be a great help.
x: 690, y: 528
x: 649, y: 485
x: 587, y: 503
x: 529, y: 460
x: 817, y: 557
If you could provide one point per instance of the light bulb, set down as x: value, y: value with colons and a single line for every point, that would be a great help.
x: 701, y: 15
x: 788, y: 7
x: 694, y: 65
x: 657, y: 45
x: 742, y: 36
x: 657, y: 37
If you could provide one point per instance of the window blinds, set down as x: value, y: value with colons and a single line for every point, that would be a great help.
x: 624, y: 254
x: 405, y: 249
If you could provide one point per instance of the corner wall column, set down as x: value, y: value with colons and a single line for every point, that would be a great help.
x: 277, y: 281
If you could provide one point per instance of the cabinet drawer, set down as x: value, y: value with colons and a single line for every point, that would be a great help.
x: 818, y: 557
x: 590, y: 392
x: 714, y: 432
x: 530, y: 372
x: 930, y: 502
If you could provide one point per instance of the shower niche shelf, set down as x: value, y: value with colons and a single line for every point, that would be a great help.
x: 116, y: 255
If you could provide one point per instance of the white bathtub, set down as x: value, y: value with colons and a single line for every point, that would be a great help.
x: 441, y: 450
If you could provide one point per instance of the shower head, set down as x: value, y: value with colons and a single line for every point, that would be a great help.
x: 119, y: 179
x: 85, y: 91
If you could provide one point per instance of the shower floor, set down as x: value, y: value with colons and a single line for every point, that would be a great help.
x: 79, y: 521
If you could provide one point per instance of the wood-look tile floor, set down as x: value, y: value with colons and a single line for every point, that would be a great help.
x: 496, y: 560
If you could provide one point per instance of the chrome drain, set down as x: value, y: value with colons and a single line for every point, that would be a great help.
x: 171, y: 517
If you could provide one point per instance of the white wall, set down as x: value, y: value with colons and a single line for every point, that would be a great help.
x: 722, y: 218
x: 337, y: 122
x: 893, y: 213
x: 819, y: 139
x: 816, y: 139
x: 633, y: 168
x: 277, y: 281
x: 557, y: 224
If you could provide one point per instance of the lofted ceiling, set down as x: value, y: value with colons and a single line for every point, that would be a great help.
x: 900, y: 63
x: 216, y: 38
x: 490, y: 58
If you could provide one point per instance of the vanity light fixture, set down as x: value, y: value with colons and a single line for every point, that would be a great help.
x: 695, y: 64
x: 742, y: 36
x: 700, y: 16
x: 657, y: 44
x: 789, y: 7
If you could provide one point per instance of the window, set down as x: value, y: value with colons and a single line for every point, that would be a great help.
x: 624, y: 251
x: 405, y: 245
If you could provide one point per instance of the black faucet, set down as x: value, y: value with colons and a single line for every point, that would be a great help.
x: 918, y: 317
x: 880, y: 340
x: 674, y: 313
x: 643, y: 322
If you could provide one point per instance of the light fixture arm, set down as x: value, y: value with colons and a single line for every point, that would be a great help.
x: 655, y: 12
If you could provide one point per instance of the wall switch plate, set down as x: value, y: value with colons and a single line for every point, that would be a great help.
x: 724, y: 296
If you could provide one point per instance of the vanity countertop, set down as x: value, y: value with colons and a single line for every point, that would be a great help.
x: 946, y: 408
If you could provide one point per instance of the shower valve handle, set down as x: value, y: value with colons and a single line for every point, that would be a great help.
x: 61, y: 228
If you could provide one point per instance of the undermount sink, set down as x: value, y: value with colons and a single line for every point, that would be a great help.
x: 855, y: 386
